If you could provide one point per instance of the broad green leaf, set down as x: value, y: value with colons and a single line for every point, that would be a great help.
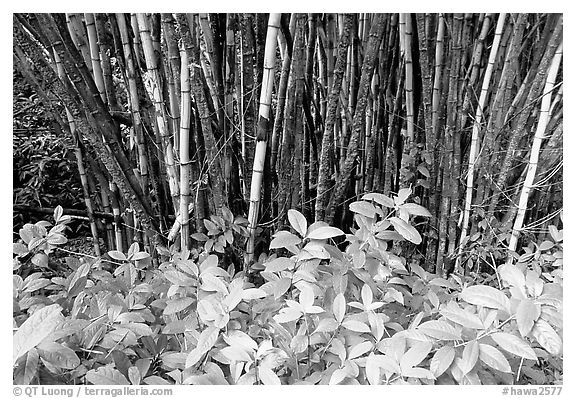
x: 424, y: 170
x: 78, y: 280
x: 547, y: 337
x: 58, y: 355
x: 210, y: 262
x: 36, y: 284
x: 140, y: 329
x: 339, y: 307
x: 306, y: 297
x: 514, y: 345
x: 240, y: 339
x: 403, y: 194
x: 299, y: 343
x: 26, y: 368
x: 236, y: 353
x: 326, y: 325
x: 366, y: 294
x: 512, y: 275
x: 139, y: 256
x: 534, y: 284
x: 281, y: 286
x: 324, y: 233
x: 415, y: 355
x: 338, y: 376
x: 200, y: 237
x: 253, y: 293
x: 174, y: 360
x: 56, y: 239
x: 486, y: 296
x: 356, y: 326
x: 211, y: 283
x: 279, y: 264
x: 234, y: 296
x: 389, y: 235
x: 440, y: 330
x: 19, y: 248
x: 35, y: 329
x: 179, y: 278
x: 469, y: 356
x: 372, y: 370
x: 387, y: 363
x: 176, y: 305
x: 106, y: 375
x: 206, y: 341
x: 58, y: 211
x: 268, y: 377
x: 420, y: 373
x: 526, y: 314
x: 40, y: 260
x: 116, y: 255
x: 156, y: 380
x: 134, y: 375
x: 415, y: 210
x: 298, y: 221
x: 360, y: 349
x: 215, y: 374
x: 406, y: 230
x: 365, y: 208
x: 287, y: 315
x: 134, y: 248
x: 558, y: 236
x: 284, y: 239
x: 314, y: 249
x: 442, y: 360
x: 379, y: 198
x: 337, y: 348
x: 492, y: 357
x: 462, y: 317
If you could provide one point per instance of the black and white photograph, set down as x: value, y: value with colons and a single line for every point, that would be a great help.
x: 306, y: 198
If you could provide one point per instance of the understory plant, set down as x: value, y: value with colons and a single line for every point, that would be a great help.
x: 330, y: 308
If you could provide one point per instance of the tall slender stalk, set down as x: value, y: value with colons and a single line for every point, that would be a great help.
x: 161, y: 117
x: 535, y: 152
x: 184, y: 148
x: 324, y: 172
x: 262, y: 133
x: 472, y: 159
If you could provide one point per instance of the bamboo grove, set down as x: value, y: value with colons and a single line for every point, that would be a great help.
x: 177, y: 117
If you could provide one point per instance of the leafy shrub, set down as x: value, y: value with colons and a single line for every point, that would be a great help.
x: 361, y: 315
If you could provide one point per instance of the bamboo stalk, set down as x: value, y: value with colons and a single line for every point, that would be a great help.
x: 134, y: 102
x: 80, y: 164
x: 157, y: 97
x: 535, y: 152
x: 78, y: 32
x: 104, y: 49
x: 472, y: 159
x: 173, y: 72
x: 95, y: 55
x: 213, y: 157
x: 376, y: 34
x: 262, y: 135
x: 324, y: 172
x: 184, y: 149
x: 409, y: 85
x: 539, y: 71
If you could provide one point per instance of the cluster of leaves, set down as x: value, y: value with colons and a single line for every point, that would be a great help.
x: 44, y: 168
x: 361, y: 315
x: 45, y: 172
